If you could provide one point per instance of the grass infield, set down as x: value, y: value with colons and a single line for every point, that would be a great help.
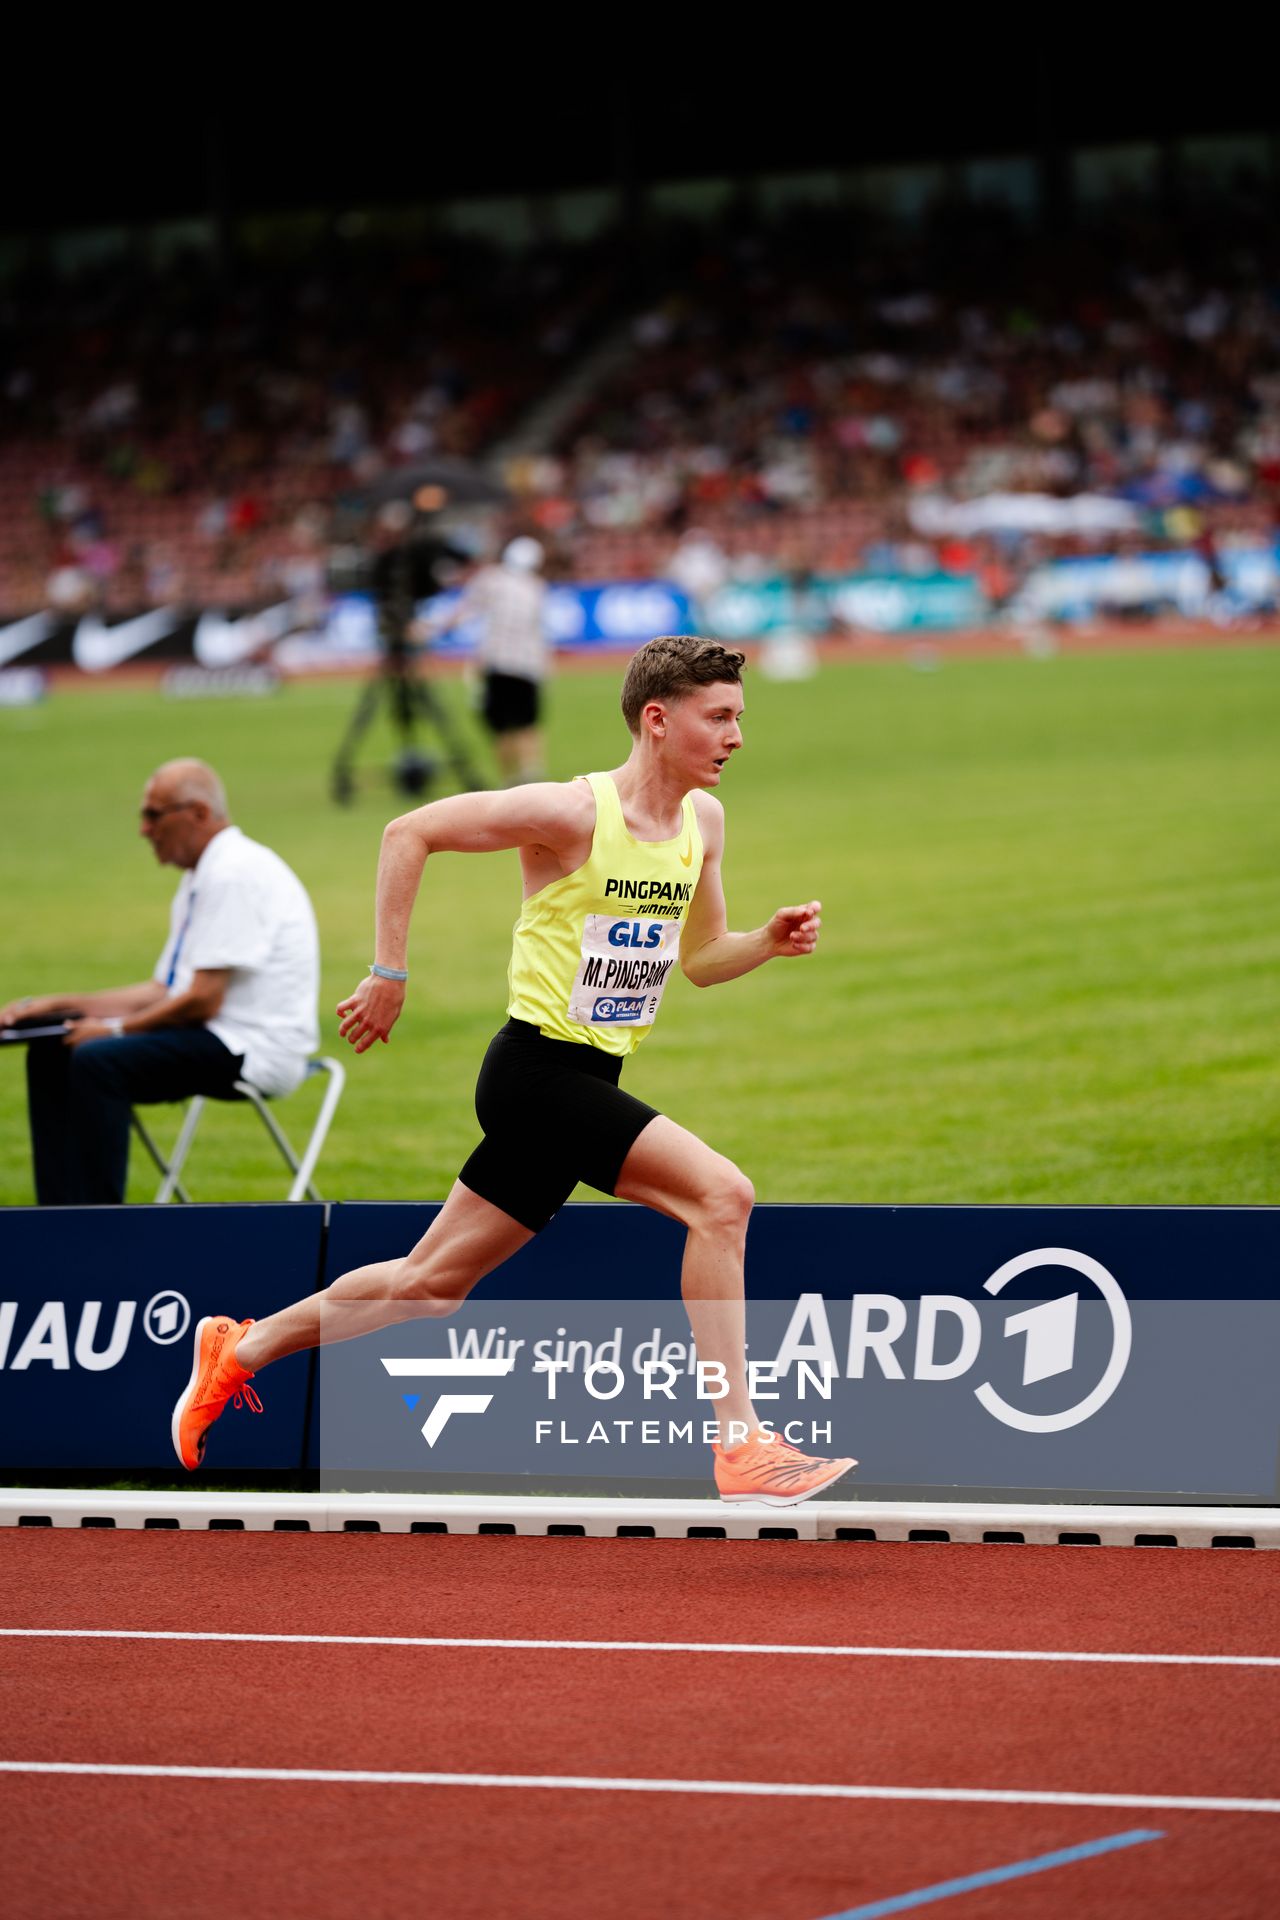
x: 1050, y: 960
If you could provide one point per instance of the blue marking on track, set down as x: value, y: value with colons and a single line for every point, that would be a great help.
x: 411, y: 1400
x: 943, y: 1889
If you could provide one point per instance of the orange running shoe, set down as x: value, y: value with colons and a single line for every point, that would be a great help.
x: 215, y: 1379
x: 773, y: 1473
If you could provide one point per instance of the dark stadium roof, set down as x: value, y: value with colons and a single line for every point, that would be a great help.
x: 162, y: 127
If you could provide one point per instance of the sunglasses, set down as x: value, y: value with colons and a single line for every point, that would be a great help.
x: 152, y: 814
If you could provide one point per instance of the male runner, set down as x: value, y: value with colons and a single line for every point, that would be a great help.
x: 636, y: 849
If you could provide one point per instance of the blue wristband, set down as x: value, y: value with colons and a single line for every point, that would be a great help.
x: 388, y: 973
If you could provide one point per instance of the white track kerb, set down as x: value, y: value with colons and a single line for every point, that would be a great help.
x: 833, y: 1520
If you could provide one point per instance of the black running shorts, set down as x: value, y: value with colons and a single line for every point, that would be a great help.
x: 553, y: 1114
x: 511, y: 704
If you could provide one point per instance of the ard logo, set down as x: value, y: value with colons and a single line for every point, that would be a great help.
x: 166, y: 1317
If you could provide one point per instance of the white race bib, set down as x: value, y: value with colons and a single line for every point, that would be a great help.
x: 624, y: 968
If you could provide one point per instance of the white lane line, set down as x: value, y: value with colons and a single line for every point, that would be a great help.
x: 588, y: 1783
x: 650, y: 1646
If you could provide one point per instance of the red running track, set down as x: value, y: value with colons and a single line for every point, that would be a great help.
x: 100, y: 1845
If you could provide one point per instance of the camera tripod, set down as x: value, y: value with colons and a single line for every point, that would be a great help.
x: 412, y: 702
x: 401, y: 576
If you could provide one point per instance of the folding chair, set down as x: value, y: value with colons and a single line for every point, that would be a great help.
x: 171, y: 1187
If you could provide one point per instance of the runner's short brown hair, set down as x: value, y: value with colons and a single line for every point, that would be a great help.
x: 673, y: 665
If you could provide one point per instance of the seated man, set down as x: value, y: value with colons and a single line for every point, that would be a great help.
x: 233, y: 997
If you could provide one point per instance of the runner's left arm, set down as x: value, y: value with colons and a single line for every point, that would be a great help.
x: 709, y: 952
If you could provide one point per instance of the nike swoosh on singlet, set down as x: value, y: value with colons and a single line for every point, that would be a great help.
x: 686, y: 857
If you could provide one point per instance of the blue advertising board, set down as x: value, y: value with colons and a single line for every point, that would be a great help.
x: 1082, y: 1352
x: 97, y: 1308
x: 616, y: 613
x: 1104, y: 1353
x: 1174, y: 581
x: 876, y: 603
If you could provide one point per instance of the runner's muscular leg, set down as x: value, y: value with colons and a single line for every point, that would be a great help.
x: 468, y: 1238
x: 672, y: 1171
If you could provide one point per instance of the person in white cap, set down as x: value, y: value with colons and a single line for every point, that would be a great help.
x: 509, y: 601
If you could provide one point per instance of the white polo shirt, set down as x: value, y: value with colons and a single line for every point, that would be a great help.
x: 241, y: 908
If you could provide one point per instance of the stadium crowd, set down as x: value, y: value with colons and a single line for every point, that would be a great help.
x: 795, y: 396
x: 799, y: 394
x: 180, y: 437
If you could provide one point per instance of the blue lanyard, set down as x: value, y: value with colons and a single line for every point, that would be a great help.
x: 182, y: 934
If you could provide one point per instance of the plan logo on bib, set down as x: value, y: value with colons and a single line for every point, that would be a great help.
x: 615, y: 1012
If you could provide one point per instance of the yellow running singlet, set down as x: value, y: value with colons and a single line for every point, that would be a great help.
x: 593, y: 952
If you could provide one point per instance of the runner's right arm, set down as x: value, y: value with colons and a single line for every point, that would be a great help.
x: 543, y: 813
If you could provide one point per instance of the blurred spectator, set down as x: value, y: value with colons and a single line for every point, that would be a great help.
x: 698, y: 565
x: 512, y: 652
